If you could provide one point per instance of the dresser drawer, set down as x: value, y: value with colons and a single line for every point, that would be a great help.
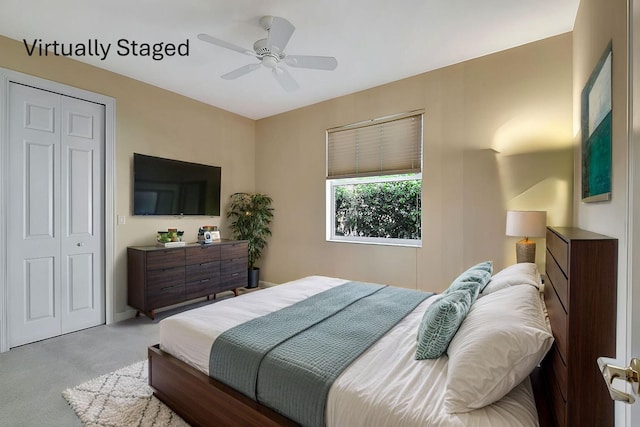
x: 197, y: 272
x: 202, y: 288
x: 558, y: 280
x: 163, y: 297
x: 558, y: 404
x: 161, y: 259
x: 558, y: 319
x: 234, y: 250
x: 234, y: 280
x: 554, y: 362
x: 168, y: 277
x: 559, y: 249
x: 202, y: 254
x: 232, y: 266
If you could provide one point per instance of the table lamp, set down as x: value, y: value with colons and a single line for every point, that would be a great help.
x: 526, y: 224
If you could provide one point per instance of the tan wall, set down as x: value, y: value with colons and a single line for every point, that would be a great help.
x: 152, y: 121
x: 517, y: 102
x: 597, y: 23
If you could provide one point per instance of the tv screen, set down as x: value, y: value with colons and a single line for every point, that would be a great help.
x: 172, y: 187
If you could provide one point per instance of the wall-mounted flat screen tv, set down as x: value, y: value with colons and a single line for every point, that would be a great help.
x: 172, y: 187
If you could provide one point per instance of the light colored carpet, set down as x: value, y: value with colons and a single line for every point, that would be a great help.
x: 121, y: 398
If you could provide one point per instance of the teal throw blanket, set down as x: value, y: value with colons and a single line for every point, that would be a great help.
x: 288, y: 359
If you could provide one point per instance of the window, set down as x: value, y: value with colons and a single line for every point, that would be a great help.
x: 374, y: 181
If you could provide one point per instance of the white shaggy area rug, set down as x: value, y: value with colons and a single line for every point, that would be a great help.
x: 121, y: 398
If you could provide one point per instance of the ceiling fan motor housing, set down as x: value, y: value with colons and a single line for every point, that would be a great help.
x: 261, y: 49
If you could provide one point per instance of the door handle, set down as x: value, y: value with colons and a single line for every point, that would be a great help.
x: 630, y: 374
x: 80, y: 244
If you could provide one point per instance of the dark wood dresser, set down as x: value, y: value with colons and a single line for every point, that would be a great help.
x: 580, y: 294
x: 159, y: 276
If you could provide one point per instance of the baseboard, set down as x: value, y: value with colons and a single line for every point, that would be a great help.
x: 124, y: 315
x: 264, y: 284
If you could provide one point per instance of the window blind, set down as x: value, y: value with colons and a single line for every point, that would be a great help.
x: 387, y: 146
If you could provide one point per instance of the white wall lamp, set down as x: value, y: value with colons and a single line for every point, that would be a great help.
x: 526, y: 224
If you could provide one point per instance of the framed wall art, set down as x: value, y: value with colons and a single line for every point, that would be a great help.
x: 596, y: 132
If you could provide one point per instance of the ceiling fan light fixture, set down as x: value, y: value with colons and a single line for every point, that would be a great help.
x: 269, y: 61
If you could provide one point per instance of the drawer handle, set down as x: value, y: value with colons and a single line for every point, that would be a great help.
x: 235, y: 274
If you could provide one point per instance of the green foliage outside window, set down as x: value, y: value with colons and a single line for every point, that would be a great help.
x: 390, y: 209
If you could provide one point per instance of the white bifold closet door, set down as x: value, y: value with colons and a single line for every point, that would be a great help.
x: 55, y: 231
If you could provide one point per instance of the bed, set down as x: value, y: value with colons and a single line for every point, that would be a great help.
x: 385, y: 385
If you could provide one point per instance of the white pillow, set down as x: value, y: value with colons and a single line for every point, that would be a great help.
x: 502, y: 339
x: 524, y: 273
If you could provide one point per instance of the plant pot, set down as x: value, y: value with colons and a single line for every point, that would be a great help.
x: 254, y: 278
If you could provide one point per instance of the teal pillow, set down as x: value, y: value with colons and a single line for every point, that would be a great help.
x: 472, y: 287
x: 440, y: 323
x: 475, y: 275
x: 486, y: 266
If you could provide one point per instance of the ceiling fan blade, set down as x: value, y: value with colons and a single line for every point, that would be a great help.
x: 286, y: 81
x: 279, y: 34
x: 209, y: 39
x: 314, y: 62
x: 240, y: 71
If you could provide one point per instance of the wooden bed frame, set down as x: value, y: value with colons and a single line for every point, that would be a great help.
x: 203, y: 401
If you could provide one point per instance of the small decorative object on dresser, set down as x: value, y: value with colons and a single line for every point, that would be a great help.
x: 208, y: 233
x: 581, y: 273
x: 159, y: 277
x: 170, y: 238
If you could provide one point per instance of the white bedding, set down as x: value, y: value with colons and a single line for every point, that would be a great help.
x: 384, y: 387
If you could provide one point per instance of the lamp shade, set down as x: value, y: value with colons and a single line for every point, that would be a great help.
x: 526, y: 223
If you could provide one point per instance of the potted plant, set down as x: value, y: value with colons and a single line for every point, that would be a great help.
x: 251, y: 215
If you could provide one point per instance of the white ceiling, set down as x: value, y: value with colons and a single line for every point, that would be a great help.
x: 374, y: 41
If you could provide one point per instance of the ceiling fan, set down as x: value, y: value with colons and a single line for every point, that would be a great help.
x: 270, y: 53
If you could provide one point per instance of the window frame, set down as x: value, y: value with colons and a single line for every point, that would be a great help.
x: 331, y: 235
x: 382, y: 175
